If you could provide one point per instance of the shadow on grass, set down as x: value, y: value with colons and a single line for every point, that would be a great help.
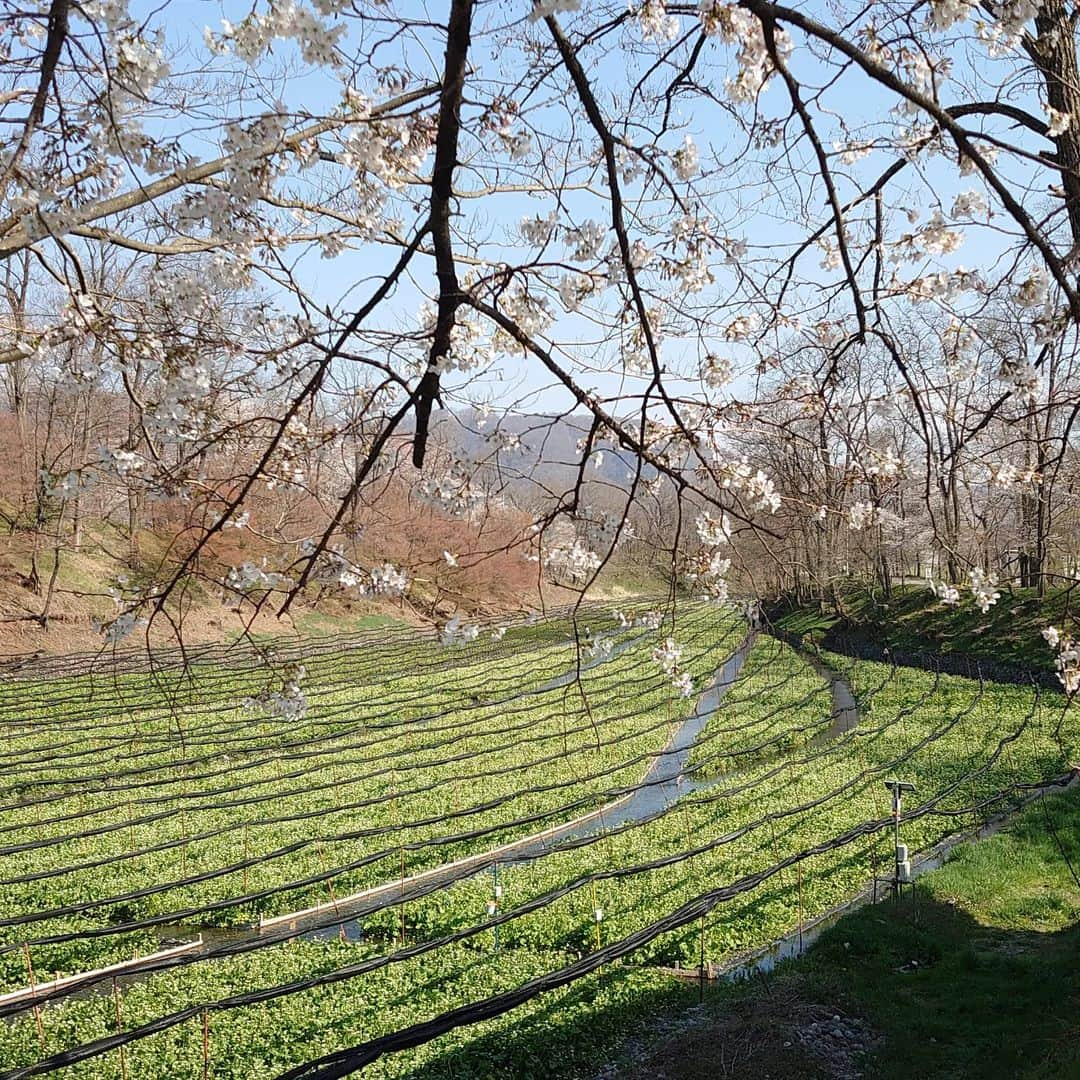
x: 951, y: 996
x: 917, y: 989
x: 975, y: 976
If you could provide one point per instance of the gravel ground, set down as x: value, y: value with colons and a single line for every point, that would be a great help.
x: 775, y: 1035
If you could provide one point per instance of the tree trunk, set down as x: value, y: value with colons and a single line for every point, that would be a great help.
x: 1055, y: 53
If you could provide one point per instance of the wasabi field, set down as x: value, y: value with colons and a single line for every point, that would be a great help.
x: 472, y: 860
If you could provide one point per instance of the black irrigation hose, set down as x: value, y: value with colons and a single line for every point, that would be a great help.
x: 344, y: 1062
x: 262, y: 741
x: 267, y: 940
x: 437, y: 658
x: 136, y: 657
x: 207, y: 677
x: 255, y: 860
x: 463, y: 730
x: 444, y: 660
x: 231, y: 766
x: 155, y: 712
x: 213, y: 683
x: 479, y: 678
x: 962, y: 780
x: 447, y: 660
x: 409, y: 752
x: 522, y: 701
x: 136, y: 660
x: 172, y: 917
x: 320, y: 710
x: 531, y: 906
x: 329, y: 743
x: 341, y: 807
x: 407, y: 826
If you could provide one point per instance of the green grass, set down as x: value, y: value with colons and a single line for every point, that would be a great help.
x: 978, y: 978
x: 996, y: 933
x: 315, y: 624
x: 914, y: 620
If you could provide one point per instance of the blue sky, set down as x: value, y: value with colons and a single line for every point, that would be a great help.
x: 760, y: 222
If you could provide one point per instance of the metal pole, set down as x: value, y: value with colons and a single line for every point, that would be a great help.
x: 896, y: 801
x: 897, y: 788
x: 701, y: 964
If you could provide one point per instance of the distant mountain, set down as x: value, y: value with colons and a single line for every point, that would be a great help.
x: 537, y: 453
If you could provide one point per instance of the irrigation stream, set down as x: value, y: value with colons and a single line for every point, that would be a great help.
x: 666, y: 781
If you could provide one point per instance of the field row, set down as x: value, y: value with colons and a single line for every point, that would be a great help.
x: 773, y: 783
x: 154, y: 837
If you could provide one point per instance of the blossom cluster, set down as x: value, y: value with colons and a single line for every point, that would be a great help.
x: 1067, y: 661
x: 114, y: 630
x: 289, y: 702
x: 250, y: 577
x: 601, y: 647
x: 713, y: 531
x: 735, y: 25
x: 863, y: 515
x: 947, y: 594
x: 388, y: 580
x: 740, y: 477
x: 667, y: 655
x: 983, y: 590
x: 454, y: 492
x: 656, y: 24
x: 455, y: 632
x: 541, y: 9
x: 717, y: 371
x: 1021, y: 376
x: 575, y: 560
x: 1005, y: 474
x: 253, y: 36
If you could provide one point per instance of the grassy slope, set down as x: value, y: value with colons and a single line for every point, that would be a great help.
x: 979, y: 978
x: 914, y: 620
x: 81, y: 594
x: 997, y: 936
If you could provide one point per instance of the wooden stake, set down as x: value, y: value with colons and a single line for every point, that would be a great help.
x: 596, y: 907
x: 701, y: 963
x: 401, y: 906
x: 800, y: 908
x: 33, y: 994
x: 119, y: 1027
x: 206, y: 1044
x: 329, y: 880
